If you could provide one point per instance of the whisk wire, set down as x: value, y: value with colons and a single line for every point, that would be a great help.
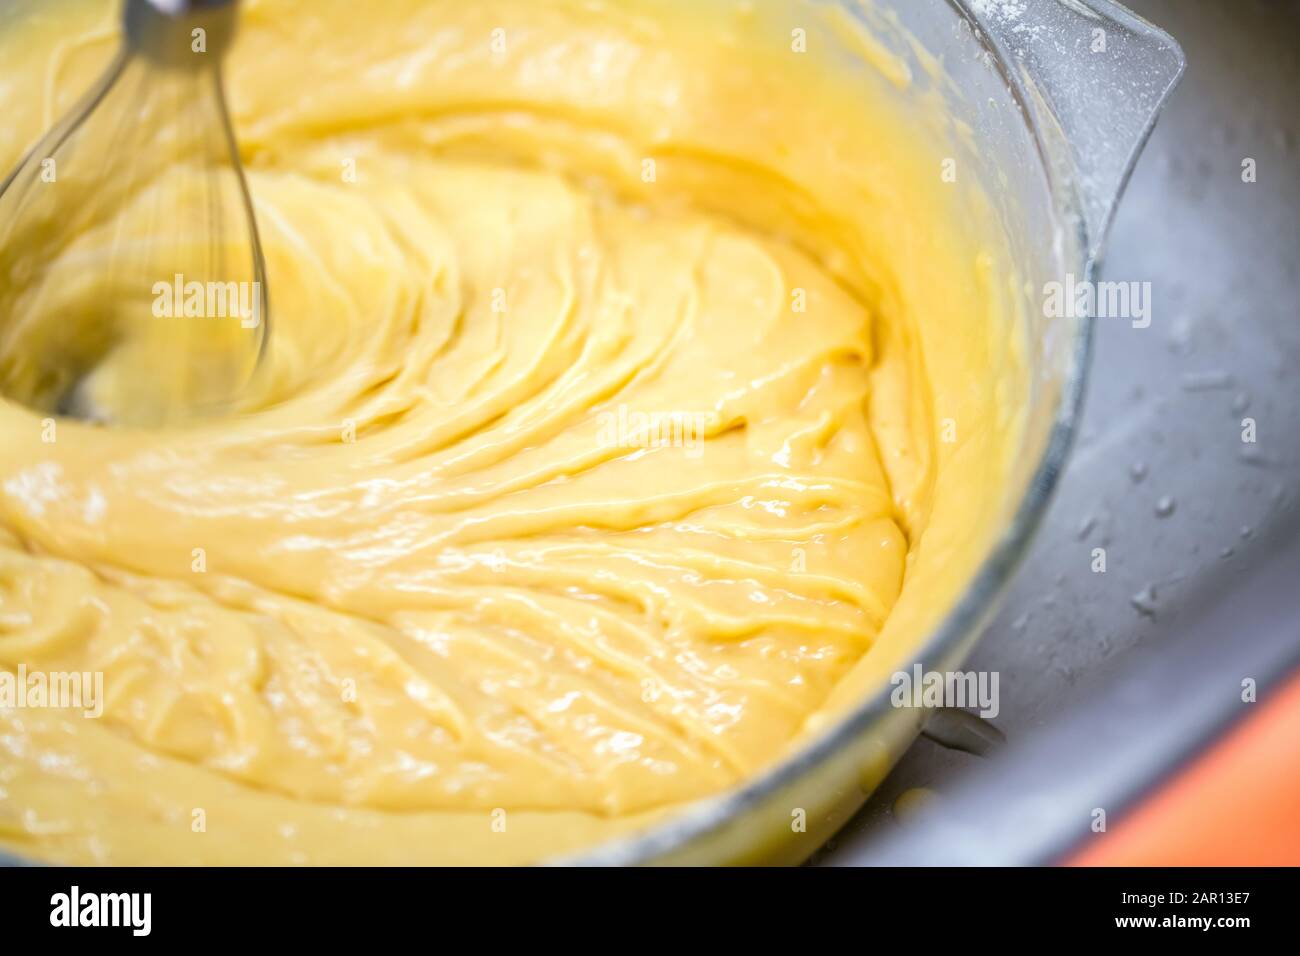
x: 133, y: 270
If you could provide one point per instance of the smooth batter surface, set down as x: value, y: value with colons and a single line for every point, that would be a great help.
x: 605, y: 418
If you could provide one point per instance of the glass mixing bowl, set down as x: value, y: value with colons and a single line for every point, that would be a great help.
x: 1048, y: 103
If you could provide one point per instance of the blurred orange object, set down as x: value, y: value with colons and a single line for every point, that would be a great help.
x: 1238, y: 804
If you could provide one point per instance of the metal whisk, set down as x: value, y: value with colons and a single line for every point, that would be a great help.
x: 132, y: 284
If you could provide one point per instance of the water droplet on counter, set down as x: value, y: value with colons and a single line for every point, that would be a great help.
x: 1210, y: 381
x: 1138, y: 472
x: 1180, y: 337
x: 1086, y: 526
x: 914, y: 802
x: 962, y: 730
x: 1165, y: 507
x: 1144, y: 602
x: 1247, y: 532
x: 1240, y: 403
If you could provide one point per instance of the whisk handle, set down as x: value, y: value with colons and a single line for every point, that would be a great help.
x: 180, y: 33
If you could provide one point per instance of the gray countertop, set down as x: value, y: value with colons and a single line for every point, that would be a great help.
x: 1109, y: 679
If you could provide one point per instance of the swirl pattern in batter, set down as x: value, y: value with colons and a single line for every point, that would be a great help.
x: 572, y: 486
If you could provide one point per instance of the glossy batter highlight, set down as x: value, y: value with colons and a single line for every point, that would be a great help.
x: 592, y: 450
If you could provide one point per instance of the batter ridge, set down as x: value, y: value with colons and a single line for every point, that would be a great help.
x: 596, y: 449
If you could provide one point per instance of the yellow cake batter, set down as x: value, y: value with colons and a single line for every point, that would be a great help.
x: 627, y: 363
